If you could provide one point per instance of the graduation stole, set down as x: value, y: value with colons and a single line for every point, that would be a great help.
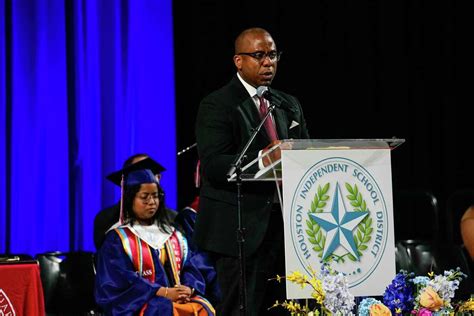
x: 140, y: 254
x: 175, y: 256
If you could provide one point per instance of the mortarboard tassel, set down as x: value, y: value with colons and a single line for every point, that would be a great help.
x: 197, y: 175
x: 121, y: 199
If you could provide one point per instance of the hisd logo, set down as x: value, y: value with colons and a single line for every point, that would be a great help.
x: 339, y: 224
x: 338, y: 214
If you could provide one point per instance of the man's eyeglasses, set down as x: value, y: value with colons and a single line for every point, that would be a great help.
x: 260, y: 56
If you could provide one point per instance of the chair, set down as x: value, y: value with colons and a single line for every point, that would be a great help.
x: 49, y: 271
x: 416, y: 215
x: 68, y: 282
x: 456, y: 204
x: 421, y: 255
x: 402, y: 258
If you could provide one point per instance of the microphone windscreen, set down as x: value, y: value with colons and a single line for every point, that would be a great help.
x: 261, y: 91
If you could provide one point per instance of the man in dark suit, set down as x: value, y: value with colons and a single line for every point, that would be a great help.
x: 225, y: 122
x: 107, y: 217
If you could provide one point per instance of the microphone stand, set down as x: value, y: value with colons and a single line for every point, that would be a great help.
x: 186, y: 149
x: 236, y: 167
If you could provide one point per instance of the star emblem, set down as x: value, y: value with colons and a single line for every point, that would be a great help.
x: 338, y: 225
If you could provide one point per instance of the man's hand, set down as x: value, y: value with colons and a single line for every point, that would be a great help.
x: 274, y: 155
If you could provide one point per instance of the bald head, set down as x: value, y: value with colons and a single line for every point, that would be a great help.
x: 246, y: 37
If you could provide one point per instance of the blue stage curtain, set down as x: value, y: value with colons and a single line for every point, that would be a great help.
x: 91, y: 83
x: 3, y: 129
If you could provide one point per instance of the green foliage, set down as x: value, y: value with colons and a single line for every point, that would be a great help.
x: 364, y: 230
x: 313, y: 230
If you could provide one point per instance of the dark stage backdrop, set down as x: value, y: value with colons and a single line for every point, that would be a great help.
x: 78, y: 78
x: 361, y: 69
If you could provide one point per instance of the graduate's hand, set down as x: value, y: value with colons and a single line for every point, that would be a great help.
x: 183, y: 294
x: 174, y: 294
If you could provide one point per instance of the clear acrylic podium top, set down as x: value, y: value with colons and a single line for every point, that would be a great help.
x: 272, y: 172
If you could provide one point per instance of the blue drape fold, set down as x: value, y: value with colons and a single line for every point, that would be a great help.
x: 91, y: 83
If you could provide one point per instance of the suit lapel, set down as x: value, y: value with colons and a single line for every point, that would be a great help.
x: 249, y: 110
x: 281, y: 121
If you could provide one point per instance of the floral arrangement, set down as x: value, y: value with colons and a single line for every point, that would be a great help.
x: 330, y: 292
x: 407, y: 294
x: 423, y: 295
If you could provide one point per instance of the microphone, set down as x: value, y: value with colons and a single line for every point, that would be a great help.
x: 264, y: 91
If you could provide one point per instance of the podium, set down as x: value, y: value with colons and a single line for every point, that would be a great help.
x: 337, y: 208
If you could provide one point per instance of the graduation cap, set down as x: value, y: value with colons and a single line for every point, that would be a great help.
x: 147, y: 163
x: 141, y: 176
x: 142, y: 171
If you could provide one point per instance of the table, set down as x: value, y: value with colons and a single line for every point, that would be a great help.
x: 21, y: 292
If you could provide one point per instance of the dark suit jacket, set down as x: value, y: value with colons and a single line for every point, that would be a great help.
x: 224, y: 124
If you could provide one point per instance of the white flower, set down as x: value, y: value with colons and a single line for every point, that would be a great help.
x: 444, y: 287
x: 338, y: 299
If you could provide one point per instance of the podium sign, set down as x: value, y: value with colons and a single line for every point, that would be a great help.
x: 338, y: 208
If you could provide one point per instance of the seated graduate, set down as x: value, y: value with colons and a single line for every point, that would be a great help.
x: 145, y: 265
